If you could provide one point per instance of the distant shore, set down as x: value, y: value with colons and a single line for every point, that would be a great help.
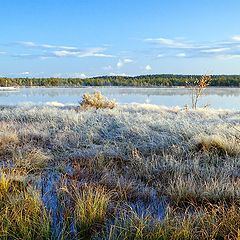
x: 14, y: 88
x: 161, y: 80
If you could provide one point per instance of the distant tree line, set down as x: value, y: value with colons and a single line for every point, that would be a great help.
x: 167, y: 80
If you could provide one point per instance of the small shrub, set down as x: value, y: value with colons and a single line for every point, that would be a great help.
x: 96, y: 100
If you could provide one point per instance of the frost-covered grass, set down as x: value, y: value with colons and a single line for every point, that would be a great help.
x: 131, y: 164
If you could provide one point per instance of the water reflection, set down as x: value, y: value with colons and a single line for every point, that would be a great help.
x: 215, y: 97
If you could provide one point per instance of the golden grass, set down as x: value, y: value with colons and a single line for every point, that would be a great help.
x: 205, y: 223
x: 22, y: 214
x: 90, y: 206
x: 218, y: 143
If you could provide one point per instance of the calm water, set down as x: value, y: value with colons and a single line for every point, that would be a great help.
x: 226, y: 98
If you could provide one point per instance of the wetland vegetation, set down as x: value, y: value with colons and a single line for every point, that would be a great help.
x: 130, y: 172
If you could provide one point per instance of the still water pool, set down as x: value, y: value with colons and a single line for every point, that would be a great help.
x: 224, y: 98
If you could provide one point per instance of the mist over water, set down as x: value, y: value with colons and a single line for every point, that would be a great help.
x: 219, y: 98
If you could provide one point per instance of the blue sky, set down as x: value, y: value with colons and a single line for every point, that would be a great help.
x: 78, y: 38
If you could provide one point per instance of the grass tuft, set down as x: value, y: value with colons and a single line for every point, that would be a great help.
x: 29, y: 160
x: 90, y: 206
x: 22, y: 214
x: 218, y: 143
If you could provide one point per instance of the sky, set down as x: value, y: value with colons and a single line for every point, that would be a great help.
x: 85, y: 38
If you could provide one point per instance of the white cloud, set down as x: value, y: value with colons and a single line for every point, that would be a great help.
x: 82, y: 75
x: 90, y: 52
x: 171, y: 43
x: 27, y: 44
x: 236, y: 38
x: 160, y: 55
x: 127, y: 60
x: 24, y: 73
x: 47, y: 51
x: 117, y: 74
x: 148, y: 68
x: 63, y: 53
x: 2, y: 53
x: 120, y: 63
x: 70, y: 75
x: 46, y: 46
x: 174, y: 48
x: 181, y: 55
x: 229, y: 56
x: 101, y: 55
x: 214, y: 50
x: 78, y: 75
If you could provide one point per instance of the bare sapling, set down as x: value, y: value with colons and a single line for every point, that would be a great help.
x: 197, y: 88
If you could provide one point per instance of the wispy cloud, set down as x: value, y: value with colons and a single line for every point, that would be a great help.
x: 189, y: 49
x: 236, y: 38
x: 215, y: 50
x: 127, y: 60
x: 89, y: 52
x: 44, y: 46
x: 181, y: 54
x: 170, y: 43
x: 43, y: 51
x: 160, y: 55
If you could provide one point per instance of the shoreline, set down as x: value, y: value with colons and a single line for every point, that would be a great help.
x: 8, y: 88
x: 112, y: 86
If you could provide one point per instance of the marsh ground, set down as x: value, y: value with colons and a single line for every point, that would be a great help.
x: 132, y: 172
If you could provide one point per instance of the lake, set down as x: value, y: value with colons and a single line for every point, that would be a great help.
x: 224, y: 98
